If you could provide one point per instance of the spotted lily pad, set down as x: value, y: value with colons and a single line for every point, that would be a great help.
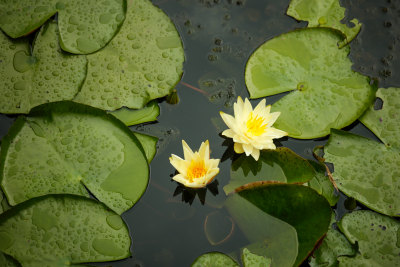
x: 249, y: 259
x: 385, y: 122
x: 280, y: 165
x: 142, y: 62
x: 45, y: 76
x: 7, y: 261
x: 137, y: 116
x: 72, y: 147
x: 85, y: 26
x: 214, y: 259
x: 327, y: 13
x: 378, y: 239
x: 366, y: 170
x: 63, y: 230
x: 325, y: 92
x: 299, y: 206
x: 269, y: 237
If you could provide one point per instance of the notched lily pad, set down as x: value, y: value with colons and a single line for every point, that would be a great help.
x: 322, y: 184
x: 149, y: 145
x: 46, y: 75
x: 385, y: 122
x: 280, y: 165
x: 63, y: 230
x: 72, y: 147
x: 327, y: 13
x: 214, y: 259
x: 299, y: 206
x: 365, y: 170
x: 143, y: 61
x: 137, y: 116
x: 377, y: 237
x: 85, y: 26
x: 325, y: 92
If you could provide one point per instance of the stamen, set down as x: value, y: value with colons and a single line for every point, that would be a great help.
x: 255, y: 125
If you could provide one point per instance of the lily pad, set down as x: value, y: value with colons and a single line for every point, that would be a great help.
x: 137, y: 116
x: 72, y: 148
x: 7, y: 261
x: 85, y: 26
x: 385, y: 122
x: 45, y: 76
x: 269, y: 236
x: 59, y: 230
x: 377, y: 237
x: 327, y: 13
x: 214, y: 259
x: 366, y: 170
x: 143, y: 61
x: 322, y: 184
x: 250, y: 260
x: 325, y: 92
x: 280, y: 165
x: 149, y: 145
x: 300, y: 206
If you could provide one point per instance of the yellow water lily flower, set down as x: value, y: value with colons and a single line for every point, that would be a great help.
x: 250, y: 129
x: 197, y: 169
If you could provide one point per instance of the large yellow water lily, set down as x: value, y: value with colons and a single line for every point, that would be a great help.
x: 197, y: 169
x: 250, y: 129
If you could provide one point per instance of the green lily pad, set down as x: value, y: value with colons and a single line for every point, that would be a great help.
x: 72, y: 147
x: 85, y: 26
x: 45, y: 76
x: 149, y: 145
x: 325, y: 92
x: 327, y: 13
x: 322, y: 184
x: 269, y: 236
x: 334, y: 245
x: 251, y: 260
x: 143, y: 61
x: 280, y: 165
x: 366, y: 170
x: 214, y: 259
x: 57, y: 230
x: 7, y: 261
x: 300, y: 206
x: 385, y: 122
x: 137, y: 116
x: 377, y: 237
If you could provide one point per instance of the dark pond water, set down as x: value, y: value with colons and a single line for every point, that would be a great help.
x: 167, y: 225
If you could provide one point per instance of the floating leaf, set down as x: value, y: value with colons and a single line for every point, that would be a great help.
x: 72, y: 147
x: 385, y: 122
x: 58, y: 230
x: 281, y: 165
x: 326, y: 93
x: 300, y: 206
x: 366, y: 170
x: 85, y: 26
x: 137, y: 116
x: 322, y: 184
x: 269, y: 236
x: 334, y: 244
x: 214, y: 259
x: 251, y: 260
x: 377, y: 237
x: 149, y: 144
x: 326, y: 13
x: 45, y: 76
x: 7, y: 261
x: 142, y: 62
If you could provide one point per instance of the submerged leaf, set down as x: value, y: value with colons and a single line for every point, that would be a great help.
x: 300, y: 206
x: 325, y: 92
x: 280, y: 165
x: 251, y: 260
x: 366, y: 170
x: 385, y: 122
x: 63, y: 230
x: 327, y: 13
x: 137, y: 116
x: 214, y: 259
x: 142, y: 62
x: 45, y: 76
x: 85, y: 26
x: 377, y: 237
x: 73, y: 147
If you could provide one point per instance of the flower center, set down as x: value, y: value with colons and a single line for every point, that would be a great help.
x: 255, y: 125
x: 196, y: 170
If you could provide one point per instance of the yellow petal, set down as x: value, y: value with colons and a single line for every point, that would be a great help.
x: 247, y: 149
x: 229, y: 121
x: 247, y: 108
x: 179, y: 164
x: 238, y: 148
x: 255, y: 154
x: 260, y: 108
x: 204, y: 150
x: 228, y: 133
x: 187, y: 151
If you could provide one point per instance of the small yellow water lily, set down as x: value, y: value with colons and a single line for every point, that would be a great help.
x: 250, y: 129
x: 197, y: 169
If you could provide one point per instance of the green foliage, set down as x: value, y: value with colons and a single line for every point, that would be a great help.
x: 137, y: 116
x: 214, y: 259
x: 322, y: 184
